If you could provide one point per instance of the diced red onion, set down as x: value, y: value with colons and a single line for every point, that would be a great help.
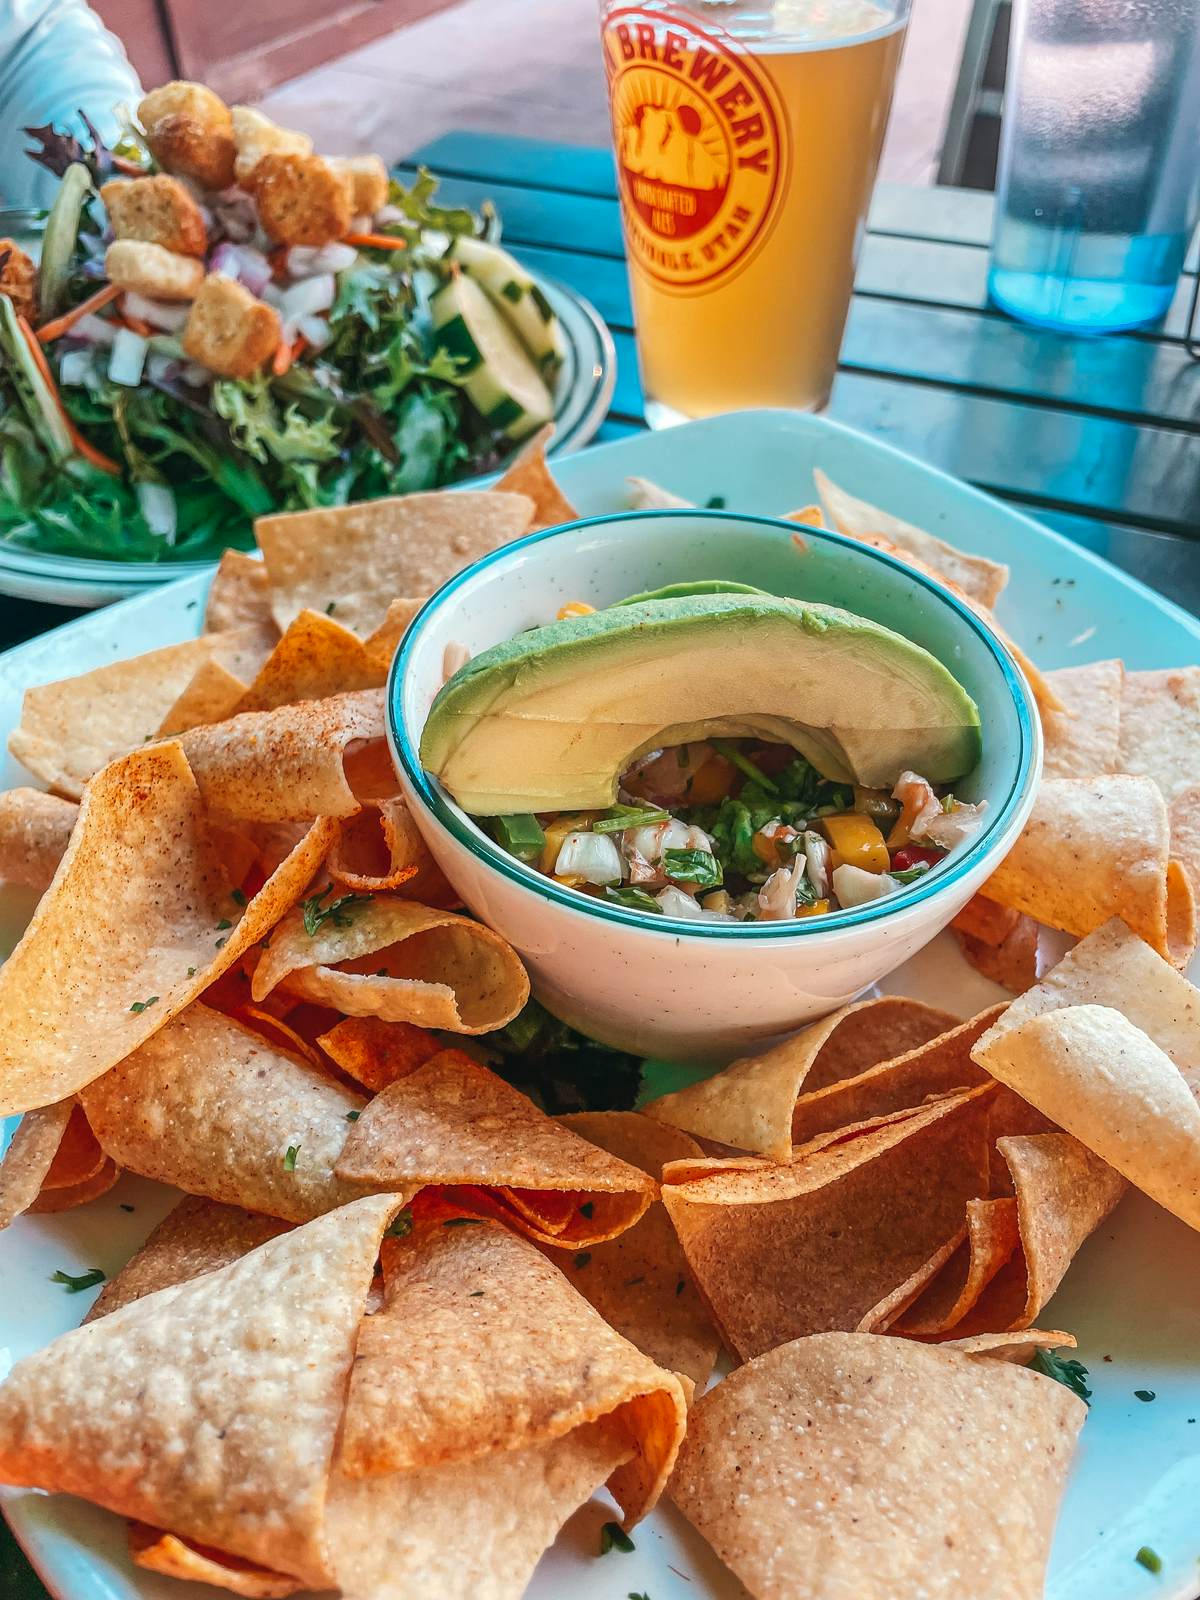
x: 170, y: 318
x: 96, y: 330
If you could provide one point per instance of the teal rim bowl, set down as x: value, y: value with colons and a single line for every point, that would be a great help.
x: 403, y: 741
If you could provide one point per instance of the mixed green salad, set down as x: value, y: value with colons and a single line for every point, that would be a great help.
x: 406, y: 353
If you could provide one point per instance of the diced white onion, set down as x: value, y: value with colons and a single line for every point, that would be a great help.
x: 651, y: 840
x: 75, y: 368
x: 95, y: 329
x: 306, y: 298
x: 854, y: 887
x: 127, y: 358
x: 593, y: 857
x: 315, y: 331
x: 170, y: 318
x: 389, y: 214
x: 676, y: 903
x: 305, y: 261
x: 816, y: 859
x: 157, y: 504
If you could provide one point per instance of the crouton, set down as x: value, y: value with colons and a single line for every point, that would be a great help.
x: 228, y: 330
x: 150, y: 270
x: 18, y: 278
x: 302, y: 200
x: 369, y: 179
x: 190, y: 132
x: 157, y: 210
x: 256, y: 136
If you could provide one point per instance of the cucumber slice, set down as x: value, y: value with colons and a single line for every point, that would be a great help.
x: 516, y: 296
x: 38, y: 401
x: 58, y: 240
x: 500, y: 379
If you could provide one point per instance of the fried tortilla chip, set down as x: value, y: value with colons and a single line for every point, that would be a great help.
x: 68, y: 1196
x: 394, y: 959
x: 982, y: 580
x: 173, y: 1557
x: 458, y: 1362
x: 239, y: 595
x: 529, y: 475
x: 1019, y: 1347
x: 1013, y: 963
x: 881, y: 1317
x: 29, y: 1157
x: 858, y: 1467
x: 375, y: 1053
x: 34, y: 830
x: 1184, y: 812
x: 986, y: 920
x: 1099, y: 1076
x: 640, y: 1282
x: 380, y: 847
x: 72, y: 728
x: 645, y: 495
x: 452, y: 1122
x: 1095, y: 848
x: 938, y: 1066
x: 198, y: 1236
x: 1084, y: 738
x: 353, y: 560
x: 991, y: 1238
x: 212, y: 693
x: 288, y: 764
x: 1160, y: 727
x: 750, y: 1105
x: 316, y: 657
x: 216, y: 1110
x: 143, y: 881
x: 211, y: 1408
x: 780, y: 1251
x: 382, y: 645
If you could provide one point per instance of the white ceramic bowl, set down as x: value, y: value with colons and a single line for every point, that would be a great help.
x: 663, y: 986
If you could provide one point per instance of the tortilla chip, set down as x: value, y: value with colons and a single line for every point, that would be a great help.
x: 1160, y: 727
x: 143, y: 881
x: 211, y: 694
x: 986, y: 920
x: 78, y: 1156
x: 198, y: 1236
x: 751, y: 1104
x: 29, y: 1157
x: 1019, y: 1347
x: 214, y: 1109
x: 173, y: 1557
x: 982, y: 580
x: 70, y: 729
x: 937, y: 1067
x: 881, y: 1317
x: 992, y: 1237
x: 1013, y: 963
x: 382, y: 645
x: 1095, y: 848
x: 376, y: 1053
x: 288, y: 764
x: 645, y: 495
x: 464, y: 1532
x: 452, y: 1122
x: 781, y: 1251
x: 640, y: 1283
x: 808, y: 517
x: 34, y: 830
x: 380, y: 847
x: 352, y: 560
x: 77, y: 1194
x: 210, y: 1408
x: 529, y: 475
x: 1084, y: 738
x: 458, y: 1362
x: 316, y: 657
x: 1095, y: 1073
x: 399, y: 961
x: 239, y: 595
x: 858, y: 1465
x: 1184, y: 812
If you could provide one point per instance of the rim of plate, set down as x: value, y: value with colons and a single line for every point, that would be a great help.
x: 469, y: 834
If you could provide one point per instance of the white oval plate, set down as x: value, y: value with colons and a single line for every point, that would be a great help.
x: 582, y: 392
x: 1132, y: 1296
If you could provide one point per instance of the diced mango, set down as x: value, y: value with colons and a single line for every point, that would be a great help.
x: 818, y: 908
x: 557, y: 831
x: 855, y: 841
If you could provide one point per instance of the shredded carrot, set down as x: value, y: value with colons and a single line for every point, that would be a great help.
x: 286, y: 353
x: 376, y: 241
x: 60, y: 325
x: 97, y: 458
x: 278, y: 257
x: 136, y: 324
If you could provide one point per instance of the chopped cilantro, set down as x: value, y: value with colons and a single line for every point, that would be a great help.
x: 582, y: 1257
x: 1148, y: 1558
x: 219, y: 942
x: 144, y: 1005
x: 715, y: 502
x: 700, y: 867
x: 331, y: 608
x: 289, y: 1157
x: 224, y: 923
x: 353, y: 1116
x: 463, y: 1222
x: 634, y: 899
x: 338, y: 911
x: 911, y: 874
x: 85, y: 1280
x: 238, y: 898
x: 680, y: 1287
x: 191, y: 972
x: 512, y: 290
x: 587, y: 1208
x: 402, y: 1226
x: 1143, y: 1394
x: 1070, y: 1372
x: 642, y: 1596
x: 126, y: 1207
x: 614, y: 1537
x: 618, y: 818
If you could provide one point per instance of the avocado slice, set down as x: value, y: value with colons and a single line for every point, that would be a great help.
x: 681, y: 591
x: 550, y: 720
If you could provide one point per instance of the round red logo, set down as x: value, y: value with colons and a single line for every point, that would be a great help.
x: 700, y: 139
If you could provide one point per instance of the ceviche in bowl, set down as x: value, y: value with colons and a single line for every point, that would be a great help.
x: 721, y: 805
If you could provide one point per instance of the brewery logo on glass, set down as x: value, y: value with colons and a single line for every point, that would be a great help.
x: 701, y: 146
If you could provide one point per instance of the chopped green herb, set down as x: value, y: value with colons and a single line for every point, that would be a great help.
x: 614, y: 1537
x: 1148, y: 1558
x: 1065, y: 1370
x: 911, y: 874
x: 700, y: 867
x: 743, y: 764
x: 642, y: 1596
x: 715, y: 502
x: 512, y: 290
x: 520, y: 833
x: 126, y: 1207
x: 402, y: 1226
x: 634, y: 899
x: 224, y: 923
x: 337, y: 911
x: 144, y: 1005
x: 238, y: 898
x: 219, y: 942
x: 331, y: 608
x: 463, y: 1222
x: 587, y: 1208
x: 353, y: 1116
x: 191, y: 972
x: 1143, y: 1394
x: 582, y: 1257
x: 617, y: 818
x: 289, y: 1157
x: 680, y: 1286
x: 85, y: 1280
